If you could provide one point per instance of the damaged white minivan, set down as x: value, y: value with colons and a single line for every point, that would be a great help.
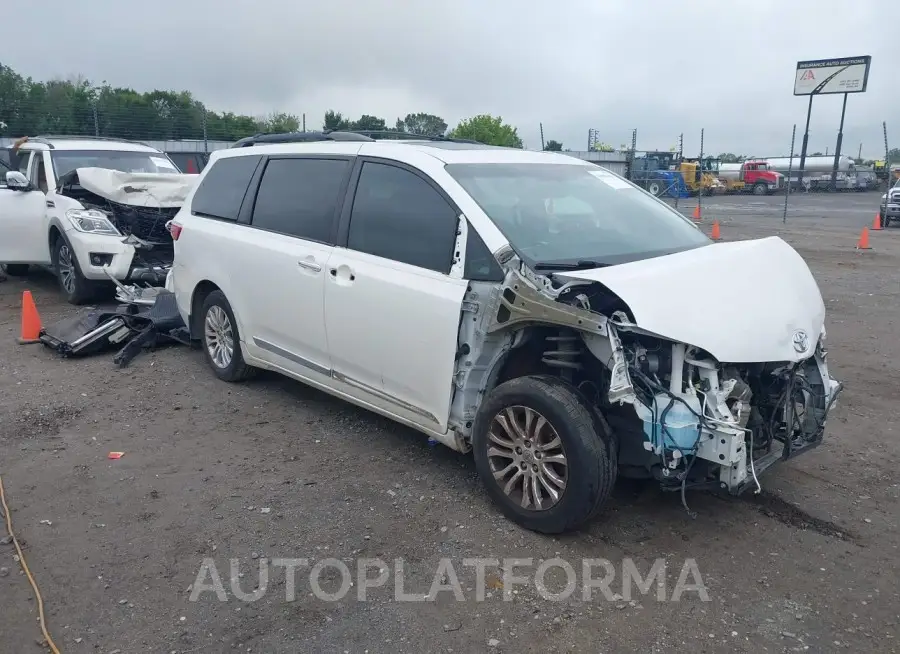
x: 561, y: 323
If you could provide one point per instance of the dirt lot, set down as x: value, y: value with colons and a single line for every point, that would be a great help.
x: 272, y: 469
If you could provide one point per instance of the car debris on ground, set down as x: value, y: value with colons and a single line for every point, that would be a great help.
x: 146, y: 318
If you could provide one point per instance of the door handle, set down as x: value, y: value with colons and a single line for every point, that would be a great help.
x: 310, y: 265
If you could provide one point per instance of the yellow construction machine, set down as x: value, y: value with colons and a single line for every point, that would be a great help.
x: 701, y: 178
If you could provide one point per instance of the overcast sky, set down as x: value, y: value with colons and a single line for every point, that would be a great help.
x: 663, y: 67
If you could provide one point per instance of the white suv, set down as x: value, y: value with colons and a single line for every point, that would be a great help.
x: 92, y: 210
x: 564, y: 324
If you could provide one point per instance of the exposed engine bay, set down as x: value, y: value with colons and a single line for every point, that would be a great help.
x: 701, y: 414
x: 139, y: 205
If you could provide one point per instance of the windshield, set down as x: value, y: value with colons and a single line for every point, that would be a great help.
x: 575, y: 214
x: 65, y: 161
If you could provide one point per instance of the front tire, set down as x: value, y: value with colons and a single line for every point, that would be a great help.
x: 539, y: 454
x: 760, y: 189
x: 72, y: 283
x: 221, y: 339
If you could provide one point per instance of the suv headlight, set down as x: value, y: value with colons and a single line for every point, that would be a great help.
x: 91, y: 221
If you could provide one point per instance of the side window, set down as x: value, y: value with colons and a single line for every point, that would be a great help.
x: 481, y: 266
x: 24, y: 160
x: 221, y: 192
x: 299, y: 197
x: 39, y: 172
x: 399, y: 216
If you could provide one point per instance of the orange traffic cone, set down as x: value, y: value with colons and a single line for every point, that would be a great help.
x: 716, y: 235
x: 863, y: 243
x: 876, y: 224
x: 697, y: 214
x: 31, y: 321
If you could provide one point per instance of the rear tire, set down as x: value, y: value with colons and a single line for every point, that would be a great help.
x: 16, y: 269
x: 221, y: 339
x: 554, y: 422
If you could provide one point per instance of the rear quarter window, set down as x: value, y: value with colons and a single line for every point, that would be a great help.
x: 221, y: 191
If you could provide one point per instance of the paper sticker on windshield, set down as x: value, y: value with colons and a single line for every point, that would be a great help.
x: 610, y: 180
x: 159, y: 162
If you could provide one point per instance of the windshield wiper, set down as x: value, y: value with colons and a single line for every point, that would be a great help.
x: 581, y: 264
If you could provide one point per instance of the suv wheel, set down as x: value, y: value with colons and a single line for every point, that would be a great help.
x: 74, y: 286
x: 221, y: 341
x: 538, y: 451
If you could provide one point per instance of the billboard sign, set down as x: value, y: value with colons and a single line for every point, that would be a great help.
x: 826, y: 76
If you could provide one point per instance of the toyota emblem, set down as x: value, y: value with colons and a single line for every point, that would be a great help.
x: 801, y: 341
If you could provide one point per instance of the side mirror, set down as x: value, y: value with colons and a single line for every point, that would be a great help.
x: 17, y: 181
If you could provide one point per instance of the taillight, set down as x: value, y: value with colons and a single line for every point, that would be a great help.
x: 174, y: 230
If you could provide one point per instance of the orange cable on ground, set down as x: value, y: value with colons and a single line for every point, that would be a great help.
x: 37, y: 593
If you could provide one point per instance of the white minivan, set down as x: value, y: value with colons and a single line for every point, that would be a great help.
x: 548, y: 315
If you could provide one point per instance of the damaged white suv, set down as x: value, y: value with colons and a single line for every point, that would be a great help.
x: 564, y: 324
x: 92, y: 210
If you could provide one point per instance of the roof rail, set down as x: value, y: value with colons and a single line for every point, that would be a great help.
x: 298, y: 137
x: 342, y: 135
x: 45, y: 139
x: 388, y: 134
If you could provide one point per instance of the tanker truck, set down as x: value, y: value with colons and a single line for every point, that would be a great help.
x: 753, y: 175
x: 817, y: 172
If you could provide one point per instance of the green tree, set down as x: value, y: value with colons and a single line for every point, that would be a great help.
x: 422, y: 123
x: 730, y: 157
x: 334, y: 120
x: 894, y: 155
x: 280, y: 122
x: 553, y: 146
x: 369, y: 123
x: 489, y: 130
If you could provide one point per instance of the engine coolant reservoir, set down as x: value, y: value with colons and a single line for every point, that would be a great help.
x: 681, y: 425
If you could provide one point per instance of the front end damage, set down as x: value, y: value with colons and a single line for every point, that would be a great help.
x: 138, y: 206
x: 701, y: 398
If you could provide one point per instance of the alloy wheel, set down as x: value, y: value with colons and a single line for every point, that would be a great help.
x: 527, y: 458
x: 219, y: 337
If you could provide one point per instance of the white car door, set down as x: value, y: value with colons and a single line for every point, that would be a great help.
x: 284, y: 255
x: 23, y: 218
x: 392, y: 309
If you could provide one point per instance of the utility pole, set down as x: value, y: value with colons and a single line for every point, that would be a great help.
x: 787, y: 191
x: 837, y: 146
x: 700, y: 171
x: 543, y: 146
x: 887, y: 169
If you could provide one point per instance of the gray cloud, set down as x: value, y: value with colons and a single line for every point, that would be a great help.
x: 662, y: 67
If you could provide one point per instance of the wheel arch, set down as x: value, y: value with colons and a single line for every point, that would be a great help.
x: 198, y: 296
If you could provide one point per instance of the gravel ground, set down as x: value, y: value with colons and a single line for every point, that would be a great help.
x: 272, y: 469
